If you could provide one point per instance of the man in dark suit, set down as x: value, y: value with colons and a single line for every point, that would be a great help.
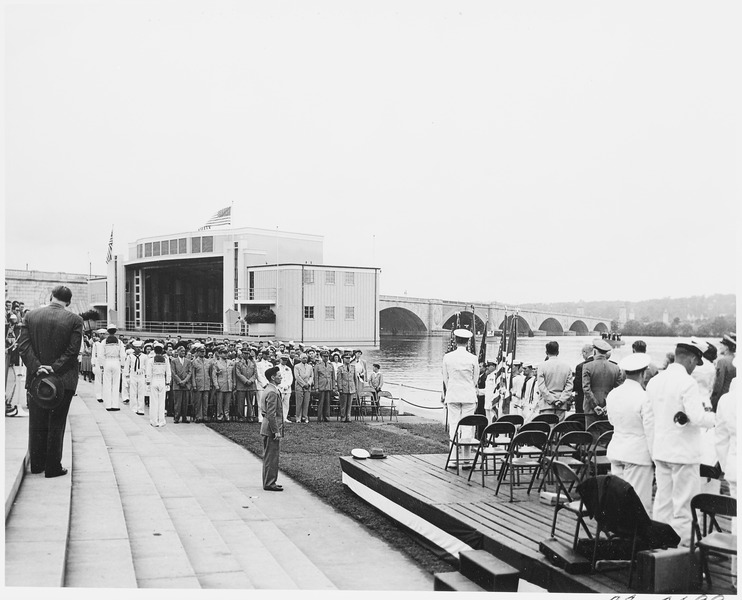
x: 579, y: 392
x: 272, y: 429
x: 599, y: 377
x: 181, y: 368
x: 49, y: 343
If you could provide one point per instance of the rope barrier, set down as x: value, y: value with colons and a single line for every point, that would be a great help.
x: 415, y: 388
x: 419, y: 406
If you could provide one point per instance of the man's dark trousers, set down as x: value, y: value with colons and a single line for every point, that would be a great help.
x: 270, y: 460
x: 46, y: 434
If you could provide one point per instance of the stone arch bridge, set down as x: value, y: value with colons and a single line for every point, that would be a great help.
x: 406, y: 316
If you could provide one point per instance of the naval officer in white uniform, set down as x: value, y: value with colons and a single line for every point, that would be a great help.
x: 460, y: 376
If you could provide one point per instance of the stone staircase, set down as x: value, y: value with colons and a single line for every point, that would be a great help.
x: 181, y: 507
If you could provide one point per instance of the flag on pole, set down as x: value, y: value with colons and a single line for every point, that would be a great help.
x: 109, y: 254
x: 452, y: 341
x: 220, y: 217
x: 511, y: 350
x: 483, y: 345
x: 501, y: 375
x: 471, y: 345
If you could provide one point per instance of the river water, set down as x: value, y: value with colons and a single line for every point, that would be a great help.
x: 416, y: 363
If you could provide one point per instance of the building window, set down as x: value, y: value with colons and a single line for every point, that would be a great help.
x: 350, y: 278
x: 330, y: 277
x: 165, y: 248
x: 183, y: 246
x: 350, y: 312
x: 329, y: 312
x: 155, y: 248
x: 139, y: 251
x: 173, y: 246
x: 207, y: 243
x: 148, y: 249
x: 196, y: 245
x: 309, y: 312
x: 308, y: 276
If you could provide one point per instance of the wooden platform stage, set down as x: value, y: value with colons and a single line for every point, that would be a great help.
x: 453, y: 514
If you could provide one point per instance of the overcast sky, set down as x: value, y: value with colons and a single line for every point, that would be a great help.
x: 503, y: 151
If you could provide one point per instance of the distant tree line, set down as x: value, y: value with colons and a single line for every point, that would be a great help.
x: 715, y: 327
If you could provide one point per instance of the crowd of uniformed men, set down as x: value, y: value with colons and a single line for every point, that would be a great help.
x: 668, y: 420
x: 211, y: 380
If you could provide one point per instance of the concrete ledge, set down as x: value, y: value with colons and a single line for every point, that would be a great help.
x: 16, y: 457
x: 38, y: 527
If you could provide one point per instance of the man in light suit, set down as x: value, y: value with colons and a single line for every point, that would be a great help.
x: 49, y: 343
x: 272, y: 429
x: 554, y: 382
x: 460, y: 376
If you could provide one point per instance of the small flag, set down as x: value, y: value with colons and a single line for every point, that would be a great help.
x: 221, y: 217
x: 109, y: 254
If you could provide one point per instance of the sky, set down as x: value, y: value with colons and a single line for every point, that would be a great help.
x: 494, y: 151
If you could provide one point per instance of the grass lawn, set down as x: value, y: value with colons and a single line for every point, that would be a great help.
x: 310, y: 455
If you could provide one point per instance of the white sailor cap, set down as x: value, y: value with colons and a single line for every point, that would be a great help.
x: 463, y: 333
x: 111, y: 326
x: 137, y: 343
x: 101, y: 330
x: 602, y: 345
x: 157, y: 345
x: 635, y: 362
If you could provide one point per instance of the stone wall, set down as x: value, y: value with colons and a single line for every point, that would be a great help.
x: 34, y: 287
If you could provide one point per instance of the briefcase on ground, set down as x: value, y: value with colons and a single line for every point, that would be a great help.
x: 669, y: 571
x: 562, y: 556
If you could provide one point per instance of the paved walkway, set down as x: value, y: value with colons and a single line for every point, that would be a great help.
x: 179, y: 507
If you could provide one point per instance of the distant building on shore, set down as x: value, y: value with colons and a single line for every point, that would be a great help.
x: 212, y: 277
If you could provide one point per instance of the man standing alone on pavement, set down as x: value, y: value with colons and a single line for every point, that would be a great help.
x: 598, y: 378
x: 679, y: 416
x: 49, y: 342
x: 272, y: 429
x: 554, y: 383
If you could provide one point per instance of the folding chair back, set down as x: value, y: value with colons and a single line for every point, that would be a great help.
x: 492, y: 448
x: 598, y: 461
x: 519, y: 455
x: 565, y: 478
x: 577, y: 417
x: 516, y: 420
x: 477, y: 421
x: 549, y: 418
x: 574, y: 453
x: 706, y: 534
x: 536, y: 426
x: 599, y: 427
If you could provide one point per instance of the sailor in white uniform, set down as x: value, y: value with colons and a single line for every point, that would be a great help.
x: 460, y: 376
x: 113, y: 357
x: 96, y: 360
x: 134, y: 372
x: 158, y: 374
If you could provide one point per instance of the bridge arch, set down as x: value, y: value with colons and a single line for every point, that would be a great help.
x: 579, y: 327
x: 601, y: 327
x: 524, y: 329
x: 551, y: 325
x: 400, y: 321
x: 465, y: 321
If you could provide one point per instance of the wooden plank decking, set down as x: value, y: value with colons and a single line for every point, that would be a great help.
x: 475, y: 516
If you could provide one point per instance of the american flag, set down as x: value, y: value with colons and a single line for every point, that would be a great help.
x: 511, y: 350
x: 221, y: 217
x: 452, y: 341
x: 501, y: 369
x: 109, y: 254
x: 483, y: 345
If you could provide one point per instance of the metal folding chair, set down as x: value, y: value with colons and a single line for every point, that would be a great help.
x: 516, y: 420
x: 464, y: 442
x: 521, y: 456
x: 569, y: 446
x: 706, y: 535
x: 563, y: 476
x: 490, y: 448
x: 549, y: 418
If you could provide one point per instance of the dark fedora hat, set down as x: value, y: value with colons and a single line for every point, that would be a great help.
x: 47, y: 391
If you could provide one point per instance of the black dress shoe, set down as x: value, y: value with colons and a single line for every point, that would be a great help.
x: 56, y: 474
x: 273, y: 488
x: 100, y: 399
x: 109, y: 409
x: 114, y: 409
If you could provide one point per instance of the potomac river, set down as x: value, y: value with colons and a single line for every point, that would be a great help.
x: 416, y: 363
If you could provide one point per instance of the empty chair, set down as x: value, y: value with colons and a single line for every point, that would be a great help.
x: 599, y: 427
x: 565, y: 476
x: 577, y: 417
x: 393, y: 413
x: 549, y: 418
x: 520, y: 456
x: 460, y: 441
x: 706, y: 535
x: 572, y: 449
x: 598, y: 463
x: 492, y: 448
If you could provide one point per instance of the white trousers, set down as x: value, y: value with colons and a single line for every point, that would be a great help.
x: 111, y: 381
x: 676, y: 485
x: 137, y: 387
x: 261, y: 406
x: 157, y: 402
x: 285, y: 399
x: 640, y: 477
x: 98, y: 383
x: 456, y: 412
x: 125, y: 388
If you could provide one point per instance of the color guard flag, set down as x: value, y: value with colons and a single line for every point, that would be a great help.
x: 452, y: 341
x: 221, y: 217
x: 501, y: 368
x: 483, y: 346
x: 109, y: 254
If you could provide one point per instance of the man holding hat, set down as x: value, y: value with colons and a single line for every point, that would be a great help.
x: 114, y: 355
x: 679, y: 416
x: 725, y: 370
x: 460, y: 376
x: 598, y: 378
x: 49, y: 342
x: 271, y: 429
x: 630, y: 413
